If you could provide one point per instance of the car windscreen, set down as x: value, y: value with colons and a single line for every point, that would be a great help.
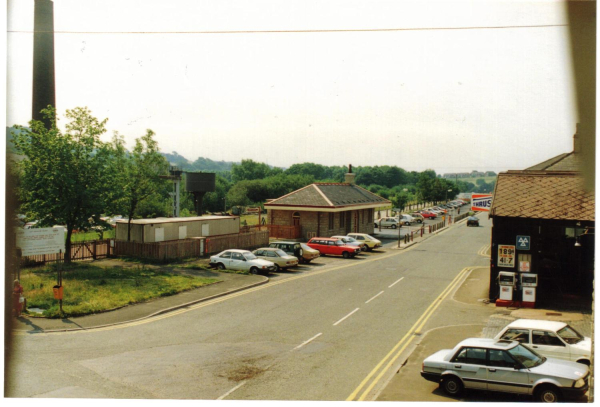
x: 339, y: 243
x: 249, y: 256
x: 349, y: 239
x: 305, y: 246
x: 280, y: 253
x: 569, y: 335
x: 526, y: 356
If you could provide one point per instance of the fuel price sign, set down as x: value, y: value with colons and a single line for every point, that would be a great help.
x: 506, y: 256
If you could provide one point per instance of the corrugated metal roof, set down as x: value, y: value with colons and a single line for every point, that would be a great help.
x: 543, y: 195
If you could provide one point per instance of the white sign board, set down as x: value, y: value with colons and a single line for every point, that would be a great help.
x: 40, y: 241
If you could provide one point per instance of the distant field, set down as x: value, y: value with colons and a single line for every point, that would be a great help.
x: 473, y: 180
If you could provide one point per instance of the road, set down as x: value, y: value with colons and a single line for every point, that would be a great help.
x: 317, y: 335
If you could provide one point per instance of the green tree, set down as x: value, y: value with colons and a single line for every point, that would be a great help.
x: 65, y: 177
x: 140, y: 171
x: 249, y: 170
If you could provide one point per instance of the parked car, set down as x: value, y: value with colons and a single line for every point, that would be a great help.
x: 299, y: 250
x: 418, y: 217
x: 553, y: 339
x: 281, y: 259
x: 387, y: 223
x: 436, y: 211
x: 472, y: 221
x: 440, y: 209
x: 407, y: 219
x: 505, y: 366
x: 369, y: 240
x: 350, y: 241
x: 428, y: 214
x: 244, y: 260
x: 336, y: 247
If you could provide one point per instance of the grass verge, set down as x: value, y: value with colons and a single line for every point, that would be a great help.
x: 201, y: 267
x: 90, y: 289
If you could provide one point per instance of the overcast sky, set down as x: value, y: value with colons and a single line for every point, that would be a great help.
x: 429, y: 97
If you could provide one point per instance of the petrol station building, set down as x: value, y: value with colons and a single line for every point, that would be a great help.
x: 542, y: 251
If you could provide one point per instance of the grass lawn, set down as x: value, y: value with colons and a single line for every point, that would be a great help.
x: 90, y: 289
x: 252, y: 219
x: 89, y: 236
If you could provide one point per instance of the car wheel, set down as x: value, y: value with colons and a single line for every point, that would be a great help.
x: 584, y: 362
x: 253, y: 270
x: 346, y: 255
x: 277, y: 268
x: 321, y: 254
x: 364, y: 248
x: 307, y: 261
x: 452, y: 385
x: 547, y: 394
x: 220, y: 266
x: 393, y: 226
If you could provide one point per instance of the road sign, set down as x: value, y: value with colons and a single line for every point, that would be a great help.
x: 40, y: 241
x: 481, y: 202
x: 506, y: 256
x: 523, y: 242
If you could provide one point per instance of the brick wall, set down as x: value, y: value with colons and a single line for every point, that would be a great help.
x: 310, y: 222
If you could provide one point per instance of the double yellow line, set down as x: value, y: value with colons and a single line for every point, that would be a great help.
x: 484, y: 251
x: 399, y: 348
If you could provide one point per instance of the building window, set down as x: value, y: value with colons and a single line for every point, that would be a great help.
x: 342, y: 219
x: 330, y: 221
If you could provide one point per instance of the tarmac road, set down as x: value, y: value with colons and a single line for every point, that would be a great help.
x: 312, y: 336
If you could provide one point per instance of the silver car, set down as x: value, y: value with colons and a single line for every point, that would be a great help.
x: 505, y: 366
x: 243, y: 260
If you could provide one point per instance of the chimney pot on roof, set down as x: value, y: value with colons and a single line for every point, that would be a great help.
x: 349, y: 178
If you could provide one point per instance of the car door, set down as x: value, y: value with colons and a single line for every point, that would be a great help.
x: 225, y: 259
x: 502, y: 375
x: 238, y: 262
x: 471, y: 366
x: 516, y: 334
x: 549, y: 344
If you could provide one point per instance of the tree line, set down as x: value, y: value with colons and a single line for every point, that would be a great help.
x: 73, y: 178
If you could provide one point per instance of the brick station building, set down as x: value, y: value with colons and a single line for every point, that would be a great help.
x: 325, y: 209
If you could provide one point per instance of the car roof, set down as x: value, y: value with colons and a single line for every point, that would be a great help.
x: 488, y: 343
x: 272, y: 249
x: 537, y: 324
x: 237, y: 251
x: 283, y: 242
x: 324, y: 238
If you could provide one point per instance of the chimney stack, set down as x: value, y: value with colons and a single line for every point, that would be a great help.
x: 349, y: 178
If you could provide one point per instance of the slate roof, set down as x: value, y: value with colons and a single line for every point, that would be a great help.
x: 563, y: 162
x: 329, y: 195
x: 558, y: 195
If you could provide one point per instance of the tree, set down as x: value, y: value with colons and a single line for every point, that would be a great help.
x: 65, y: 176
x: 140, y: 171
x: 249, y: 170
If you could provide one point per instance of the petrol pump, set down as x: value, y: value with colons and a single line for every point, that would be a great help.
x: 529, y: 287
x: 507, y: 280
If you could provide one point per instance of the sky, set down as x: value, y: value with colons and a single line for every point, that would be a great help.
x: 454, y: 86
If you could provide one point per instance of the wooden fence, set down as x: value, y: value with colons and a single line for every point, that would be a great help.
x: 251, y: 240
x: 96, y: 249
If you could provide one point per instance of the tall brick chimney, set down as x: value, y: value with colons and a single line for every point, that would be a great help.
x: 349, y: 178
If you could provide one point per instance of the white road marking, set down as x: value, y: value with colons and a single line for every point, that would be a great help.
x: 346, y: 316
x: 232, y: 390
x: 311, y: 339
x: 374, y: 297
x: 397, y: 281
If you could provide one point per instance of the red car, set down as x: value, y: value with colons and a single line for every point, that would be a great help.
x: 427, y: 214
x: 335, y: 247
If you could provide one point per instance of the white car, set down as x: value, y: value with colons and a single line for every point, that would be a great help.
x: 243, y: 260
x: 387, y: 223
x: 505, y: 366
x: 407, y: 219
x: 553, y: 339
